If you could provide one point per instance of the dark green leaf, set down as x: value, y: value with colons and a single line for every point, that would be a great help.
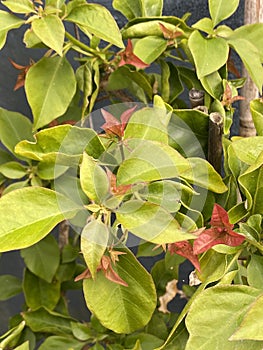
x: 9, y: 286
x: 58, y: 342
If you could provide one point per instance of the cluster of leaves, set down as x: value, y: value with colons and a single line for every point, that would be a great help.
x: 146, y: 175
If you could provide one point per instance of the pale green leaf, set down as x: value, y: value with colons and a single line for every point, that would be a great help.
x: 99, y: 21
x: 58, y: 342
x: 222, y: 9
x: 43, y: 258
x: 255, y: 272
x: 94, y: 240
x: 36, y: 211
x: 9, y: 286
x: 57, y: 80
x: 153, y: 161
x: 93, y: 179
x: 24, y: 346
x: 138, y: 8
x: 256, y: 107
x: 39, y: 293
x: 250, y: 56
x: 147, y: 124
x: 13, y: 170
x: 8, y: 22
x: 251, y: 327
x: 21, y: 6
x: 148, y: 49
x: 226, y: 306
x: 151, y: 222
x: 51, y: 32
x: 205, y: 25
x: 122, y: 309
x: 14, y: 127
x: 211, y: 57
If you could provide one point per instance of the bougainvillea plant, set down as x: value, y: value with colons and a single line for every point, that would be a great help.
x: 88, y: 194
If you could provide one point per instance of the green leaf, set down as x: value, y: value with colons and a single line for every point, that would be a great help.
x: 148, y: 49
x: 99, y: 21
x: 255, y: 272
x: 252, y: 183
x: 8, y: 22
x: 201, y: 173
x: 221, y: 9
x: 39, y: 293
x: 58, y: 342
x: 143, y: 126
x: 214, y: 53
x: 93, y: 179
x: 152, y: 161
x: 94, y: 240
x: 24, y: 346
x: 151, y: 222
x: 14, y: 127
x: 250, y: 56
x: 146, y: 341
x: 138, y: 8
x: 9, y: 286
x: 122, y: 309
x: 57, y: 80
x: 205, y: 25
x: 45, y: 321
x: 43, y: 258
x: 256, y: 108
x: 213, y: 84
x: 81, y: 331
x: 252, y: 33
x: 51, y: 32
x: 21, y: 6
x: 13, y: 170
x: 226, y: 306
x: 40, y: 210
x: 252, y: 324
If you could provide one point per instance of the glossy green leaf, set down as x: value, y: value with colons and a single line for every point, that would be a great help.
x: 58, y: 342
x: 40, y: 210
x: 8, y: 22
x: 51, y: 32
x: 122, y: 309
x: 143, y: 126
x: 14, y: 127
x: 221, y: 9
x: 99, y: 21
x: 94, y: 180
x: 9, y: 286
x: 45, y: 321
x: 124, y: 77
x: 151, y: 222
x: 226, y: 306
x: 255, y: 272
x: 39, y: 293
x: 256, y: 107
x: 58, y: 85
x: 205, y: 25
x: 252, y: 324
x: 21, y: 6
x: 58, y: 144
x: 202, y: 174
x: 252, y: 183
x: 252, y: 33
x: 250, y: 56
x: 13, y: 170
x: 138, y: 8
x: 94, y: 240
x: 213, y: 55
x: 24, y: 346
x: 148, y: 49
x: 43, y: 258
x: 152, y: 161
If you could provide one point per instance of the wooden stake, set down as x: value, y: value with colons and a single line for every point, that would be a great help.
x: 215, y: 148
x: 196, y: 97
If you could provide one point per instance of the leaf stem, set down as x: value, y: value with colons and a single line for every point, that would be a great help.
x: 83, y: 46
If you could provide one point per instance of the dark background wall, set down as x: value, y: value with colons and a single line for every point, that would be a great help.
x: 10, y: 263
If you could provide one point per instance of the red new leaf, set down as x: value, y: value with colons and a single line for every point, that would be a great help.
x: 220, y: 232
x: 22, y: 75
x: 185, y: 249
x: 128, y: 57
x: 113, y: 126
x: 116, y: 190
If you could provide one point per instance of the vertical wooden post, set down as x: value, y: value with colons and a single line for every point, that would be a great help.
x: 196, y: 97
x: 253, y: 14
x: 215, y: 148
